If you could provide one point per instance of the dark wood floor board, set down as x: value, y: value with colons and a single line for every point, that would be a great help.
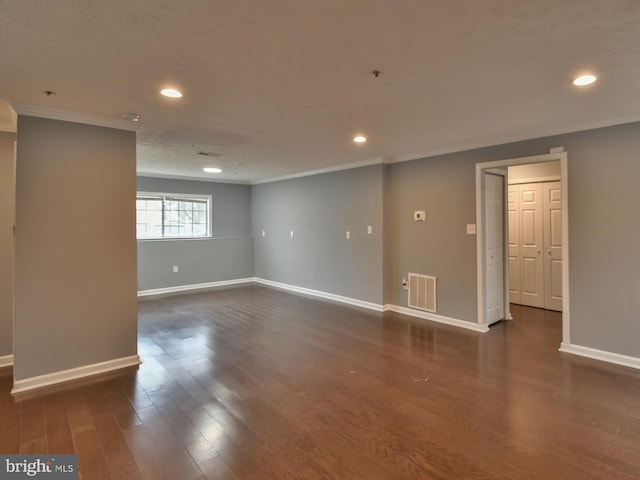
x: 119, y: 458
x: 59, y: 437
x: 78, y: 412
x: 10, y: 433
x: 32, y: 426
x: 92, y: 464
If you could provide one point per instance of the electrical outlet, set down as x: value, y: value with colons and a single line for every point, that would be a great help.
x: 405, y: 284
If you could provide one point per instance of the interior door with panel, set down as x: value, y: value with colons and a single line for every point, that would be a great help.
x: 531, y: 245
x: 552, y: 205
x: 494, y: 241
x: 513, y: 215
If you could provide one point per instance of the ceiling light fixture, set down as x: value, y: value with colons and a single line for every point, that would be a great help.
x: 583, y: 80
x: 171, y: 93
x: 212, y: 170
x: 359, y: 139
x: 131, y: 116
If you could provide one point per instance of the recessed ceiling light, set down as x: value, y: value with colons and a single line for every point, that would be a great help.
x: 171, y: 92
x: 131, y: 116
x: 583, y: 80
x: 359, y: 139
x: 212, y: 170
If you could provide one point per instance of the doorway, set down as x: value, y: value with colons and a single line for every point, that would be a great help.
x: 486, y: 289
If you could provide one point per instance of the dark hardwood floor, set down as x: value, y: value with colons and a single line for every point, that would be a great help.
x: 254, y: 383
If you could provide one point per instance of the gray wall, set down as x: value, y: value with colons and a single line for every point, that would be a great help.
x: 226, y: 256
x: 75, y: 257
x: 7, y: 208
x: 320, y: 209
x: 604, y: 169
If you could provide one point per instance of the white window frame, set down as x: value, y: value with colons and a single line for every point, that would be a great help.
x: 177, y: 196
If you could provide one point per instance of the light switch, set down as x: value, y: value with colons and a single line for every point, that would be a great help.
x: 419, y: 216
x: 291, y: 234
x: 264, y: 233
x: 348, y: 235
x: 471, y: 228
x: 175, y: 269
x: 369, y: 229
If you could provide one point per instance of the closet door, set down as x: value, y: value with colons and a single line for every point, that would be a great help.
x: 514, y: 243
x: 552, y: 206
x: 531, y: 245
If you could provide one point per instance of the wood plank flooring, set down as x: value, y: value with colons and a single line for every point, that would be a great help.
x: 254, y: 383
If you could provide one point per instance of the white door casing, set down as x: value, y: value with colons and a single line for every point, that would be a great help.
x: 481, y: 168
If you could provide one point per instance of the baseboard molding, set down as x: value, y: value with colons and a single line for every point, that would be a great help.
x: 6, y: 361
x: 27, y: 384
x: 436, y: 318
x: 602, y: 355
x: 197, y: 286
x: 321, y: 294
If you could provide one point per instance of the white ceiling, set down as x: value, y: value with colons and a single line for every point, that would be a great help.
x: 280, y: 87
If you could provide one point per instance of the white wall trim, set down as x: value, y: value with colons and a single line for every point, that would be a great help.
x: 436, y: 318
x: 320, y: 171
x: 197, y: 286
x: 24, y: 385
x: 318, y: 293
x: 6, y: 361
x: 55, y: 114
x: 602, y: 355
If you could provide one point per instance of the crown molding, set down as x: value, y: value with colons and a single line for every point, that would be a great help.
x: 75, y: 117
x: 191, y: 178
x: 320, y: 171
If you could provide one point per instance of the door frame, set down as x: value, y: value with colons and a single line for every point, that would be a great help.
x: 481, y: 168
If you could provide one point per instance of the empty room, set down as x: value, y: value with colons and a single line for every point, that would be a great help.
x: 319, y: 240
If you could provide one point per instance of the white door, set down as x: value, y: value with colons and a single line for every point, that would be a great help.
x: 494, y: 241
x: 552, y: 205
x: 531, y: 245
x: 513, y: 212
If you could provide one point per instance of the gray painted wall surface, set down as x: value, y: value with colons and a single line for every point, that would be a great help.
x: 603, y: 232
x: 75, y: 274
x: 226, y: 256
x: 7, y: 208
x: 320, y: 209
x: 445, y: 188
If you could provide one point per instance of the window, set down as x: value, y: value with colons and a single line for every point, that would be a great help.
x: 170, y: 215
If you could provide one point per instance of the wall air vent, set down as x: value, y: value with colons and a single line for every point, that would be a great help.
x: 422, y: 292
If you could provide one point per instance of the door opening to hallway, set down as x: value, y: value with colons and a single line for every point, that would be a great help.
x: 535, y: 235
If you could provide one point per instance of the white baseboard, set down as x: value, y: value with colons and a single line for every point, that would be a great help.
x: 318, y: 293
x: 436, y: 318
x: 197, y: 286
x: 618, y: 359
x: 6, y: 361
x: 24, y: 385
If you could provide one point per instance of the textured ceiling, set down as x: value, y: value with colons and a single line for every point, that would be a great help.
x: 278, y: 87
